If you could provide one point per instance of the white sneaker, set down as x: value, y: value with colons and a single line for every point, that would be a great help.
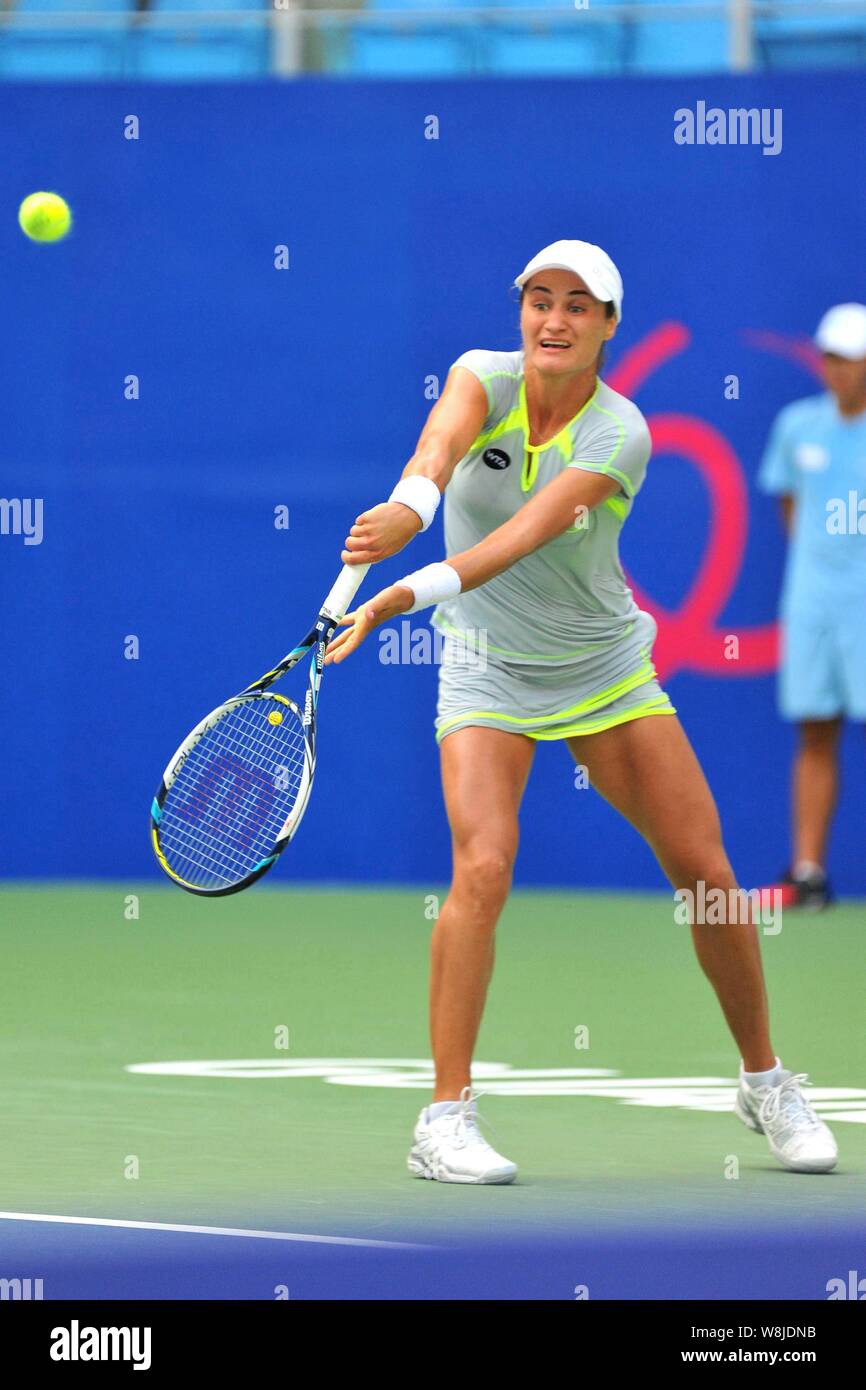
x: 798, y: 1139
x: 451, y: 1148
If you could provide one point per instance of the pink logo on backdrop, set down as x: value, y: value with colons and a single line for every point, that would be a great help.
x: 689, y: 636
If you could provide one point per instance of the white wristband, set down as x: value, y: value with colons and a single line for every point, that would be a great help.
x: 432, y: 584
x: 420, y: 494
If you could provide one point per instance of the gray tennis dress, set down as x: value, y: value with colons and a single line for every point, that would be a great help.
x: 555, y: 645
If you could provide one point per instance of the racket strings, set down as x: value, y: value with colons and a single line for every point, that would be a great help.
x: 230, y: 800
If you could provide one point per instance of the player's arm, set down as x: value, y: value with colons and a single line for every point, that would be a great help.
x: 453, y: 423
x: 558, y: 506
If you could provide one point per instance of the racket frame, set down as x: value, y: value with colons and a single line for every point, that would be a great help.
x: 331, y: 614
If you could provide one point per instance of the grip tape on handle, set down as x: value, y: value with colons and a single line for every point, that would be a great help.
x: 347, y: 584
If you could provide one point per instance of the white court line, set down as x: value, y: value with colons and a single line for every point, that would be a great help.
x: 209, y: 1230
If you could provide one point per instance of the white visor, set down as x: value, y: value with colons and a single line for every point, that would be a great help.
x: 594, y: 266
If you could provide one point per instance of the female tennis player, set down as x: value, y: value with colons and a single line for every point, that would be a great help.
x: 539, y: 462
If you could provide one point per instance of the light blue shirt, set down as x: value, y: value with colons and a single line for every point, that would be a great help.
x: 818, y: 457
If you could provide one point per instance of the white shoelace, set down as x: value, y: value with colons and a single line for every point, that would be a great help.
x: 789, y: 1102
x: 465, y: 1120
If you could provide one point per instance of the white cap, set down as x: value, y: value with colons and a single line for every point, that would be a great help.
x: 594, y: 266
x: 842, y: 331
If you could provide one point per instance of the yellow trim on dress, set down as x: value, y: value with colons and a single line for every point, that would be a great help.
x: 644, y: 673
x: 659, y: 704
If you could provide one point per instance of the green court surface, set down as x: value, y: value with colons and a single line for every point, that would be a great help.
x: 87, y: 991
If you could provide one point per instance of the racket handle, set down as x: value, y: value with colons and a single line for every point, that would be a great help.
x: 348, y: 583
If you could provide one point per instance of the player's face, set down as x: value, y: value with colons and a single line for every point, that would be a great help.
x: 563, y: 325
x: 846, y: 379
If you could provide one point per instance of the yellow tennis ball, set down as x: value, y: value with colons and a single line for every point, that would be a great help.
x: 275, y: 717
x: 44, y: 217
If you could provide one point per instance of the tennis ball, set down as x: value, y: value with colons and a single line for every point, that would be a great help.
x: 44, y: 217
x: 275, y: 717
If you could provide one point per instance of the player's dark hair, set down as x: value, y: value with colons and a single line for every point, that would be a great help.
x: 609, y: 313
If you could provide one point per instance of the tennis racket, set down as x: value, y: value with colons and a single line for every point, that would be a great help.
x: 234, y: 793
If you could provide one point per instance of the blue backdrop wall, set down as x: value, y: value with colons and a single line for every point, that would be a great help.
x: 307, y: 387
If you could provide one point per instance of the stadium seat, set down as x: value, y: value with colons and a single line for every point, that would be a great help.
x: 174, y: 6
x: 416, y: 6
x: 78, y: 56
x: 198, y: 53
x: 666, y: 46
x: 60, y: 7
x: 183, y: 52
x: 547, y: 47
x: 797, y: 41
x: 419, y: 53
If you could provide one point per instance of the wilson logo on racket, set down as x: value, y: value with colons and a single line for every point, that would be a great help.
x: 235, y: 791
x: 232, y: 795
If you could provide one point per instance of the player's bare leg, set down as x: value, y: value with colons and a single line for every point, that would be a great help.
x: 484, y: 774
x: 648, y: 771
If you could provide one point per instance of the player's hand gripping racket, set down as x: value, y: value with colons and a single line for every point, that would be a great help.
x: 234, y: 793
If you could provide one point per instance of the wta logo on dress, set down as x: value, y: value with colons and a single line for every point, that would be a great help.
x: 496, y: 458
